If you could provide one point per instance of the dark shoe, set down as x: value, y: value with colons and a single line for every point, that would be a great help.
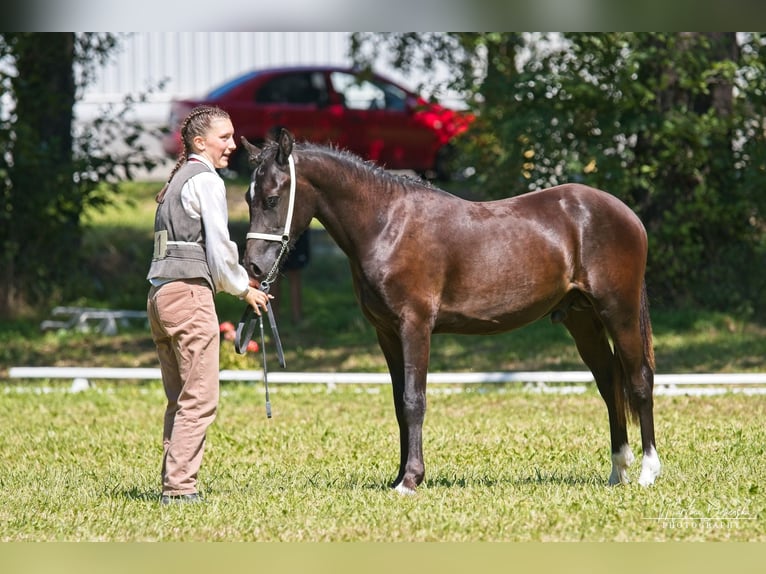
x: 180, y: 499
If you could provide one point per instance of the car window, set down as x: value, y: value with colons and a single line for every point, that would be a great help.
x: 361, y: 94
x: 294, y: 88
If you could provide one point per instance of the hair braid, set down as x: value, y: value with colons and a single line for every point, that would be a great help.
x: 196, y: 123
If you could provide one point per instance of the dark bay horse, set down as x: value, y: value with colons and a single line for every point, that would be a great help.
x: 424, y: 261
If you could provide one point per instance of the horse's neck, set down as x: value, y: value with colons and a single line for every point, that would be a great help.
x: 351, y: 206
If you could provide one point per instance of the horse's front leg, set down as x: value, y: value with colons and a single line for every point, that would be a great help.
x: 413, y: 407
x: 413, y: 402
x: 407, y: 358
x: 392, y: 350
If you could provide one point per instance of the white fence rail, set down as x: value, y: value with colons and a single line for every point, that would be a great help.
x: 682, y: 383
x: 105, y: 321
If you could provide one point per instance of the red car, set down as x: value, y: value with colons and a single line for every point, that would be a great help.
x: 361, y: 112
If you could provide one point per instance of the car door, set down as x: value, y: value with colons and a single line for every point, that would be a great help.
x: 298, y: 101
x: 381, y: 123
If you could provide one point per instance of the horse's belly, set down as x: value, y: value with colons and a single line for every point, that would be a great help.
x: 476, y: 321
x: 503, y: 301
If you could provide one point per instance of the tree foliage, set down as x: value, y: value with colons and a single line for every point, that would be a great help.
x: 672, y: 123
x: 50, y: 171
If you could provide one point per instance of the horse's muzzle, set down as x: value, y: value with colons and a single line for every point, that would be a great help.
x: 254, y: 271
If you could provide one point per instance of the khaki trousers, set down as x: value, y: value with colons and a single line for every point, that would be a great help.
x: 184, y: 327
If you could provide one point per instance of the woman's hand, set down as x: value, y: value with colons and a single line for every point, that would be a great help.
x: 257, y: 299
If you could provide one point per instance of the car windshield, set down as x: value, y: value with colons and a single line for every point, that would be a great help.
x: 230, y: 85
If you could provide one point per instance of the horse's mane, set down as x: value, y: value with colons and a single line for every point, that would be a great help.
x: 362, y: 168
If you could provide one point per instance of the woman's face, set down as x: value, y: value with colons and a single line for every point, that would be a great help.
x: 217, y: 144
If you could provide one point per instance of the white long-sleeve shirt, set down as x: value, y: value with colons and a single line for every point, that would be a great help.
x: 204, y: 197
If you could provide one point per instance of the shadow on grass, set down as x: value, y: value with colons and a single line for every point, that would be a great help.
x: 542, y: 478
x: 139, y: 495
x: 539, y: 478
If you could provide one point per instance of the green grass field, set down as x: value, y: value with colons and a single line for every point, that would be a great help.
x: 502, y: 463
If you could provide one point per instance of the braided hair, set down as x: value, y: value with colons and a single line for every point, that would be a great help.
x: 195, y: 124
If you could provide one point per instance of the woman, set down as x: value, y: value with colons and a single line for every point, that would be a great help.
x: 193, y: 259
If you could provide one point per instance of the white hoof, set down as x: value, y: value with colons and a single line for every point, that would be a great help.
x: 620, y: 463
x: 650, y: 468
x: 403, y: 490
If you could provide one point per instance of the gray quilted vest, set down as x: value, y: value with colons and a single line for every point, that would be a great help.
x: 179, y: 241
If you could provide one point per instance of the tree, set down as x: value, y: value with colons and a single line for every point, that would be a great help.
x: 41, y: 161
x: 672, y: 123
x: 48, y: 173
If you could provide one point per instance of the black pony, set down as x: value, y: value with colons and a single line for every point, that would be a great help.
x: 424, y: 261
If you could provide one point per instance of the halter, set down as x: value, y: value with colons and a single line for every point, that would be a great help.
x: 285, y: 237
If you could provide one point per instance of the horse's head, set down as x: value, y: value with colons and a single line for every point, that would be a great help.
x: 278, y: 216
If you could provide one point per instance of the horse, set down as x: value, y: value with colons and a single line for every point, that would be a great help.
x: 424, y: 261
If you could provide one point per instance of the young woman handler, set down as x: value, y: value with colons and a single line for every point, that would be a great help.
x: 193, y: 259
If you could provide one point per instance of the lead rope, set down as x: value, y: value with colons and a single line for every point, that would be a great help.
x: 244, y: 334
x: 265, y: 370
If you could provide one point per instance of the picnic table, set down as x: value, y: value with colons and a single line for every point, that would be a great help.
x: 104, y: 321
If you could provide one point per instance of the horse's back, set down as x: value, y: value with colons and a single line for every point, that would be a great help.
x: 597, y: 219
x: 562, y: 225
x: 576, y: 198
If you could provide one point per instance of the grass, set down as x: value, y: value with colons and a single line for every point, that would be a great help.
x: 502, y: 464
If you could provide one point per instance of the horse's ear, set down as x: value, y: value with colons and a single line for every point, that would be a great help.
x: 252, y: 151
x: 285, y: 146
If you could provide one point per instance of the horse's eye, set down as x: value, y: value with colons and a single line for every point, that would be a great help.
x: 272, y: 202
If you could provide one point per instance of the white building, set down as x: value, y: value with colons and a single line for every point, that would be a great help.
x: 191, y: 63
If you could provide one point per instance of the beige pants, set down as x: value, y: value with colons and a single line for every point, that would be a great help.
x: 185, y: 330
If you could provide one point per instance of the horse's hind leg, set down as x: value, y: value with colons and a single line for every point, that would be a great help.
x: 593, y: 345
x: 633, y: 347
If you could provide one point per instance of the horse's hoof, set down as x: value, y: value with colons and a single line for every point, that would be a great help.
x: 403, y: 490
x: 620, y: 463
x: 650, y: 468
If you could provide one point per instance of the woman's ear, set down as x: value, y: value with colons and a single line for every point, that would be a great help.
x: 198, y: 143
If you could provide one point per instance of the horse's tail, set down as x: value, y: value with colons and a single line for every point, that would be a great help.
x: 627, y: 395
x: 646, y: 330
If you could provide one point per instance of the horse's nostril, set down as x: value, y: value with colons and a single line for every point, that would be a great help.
x: 255, y: 271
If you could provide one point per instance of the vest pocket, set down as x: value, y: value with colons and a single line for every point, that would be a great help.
x: 160, y: 244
